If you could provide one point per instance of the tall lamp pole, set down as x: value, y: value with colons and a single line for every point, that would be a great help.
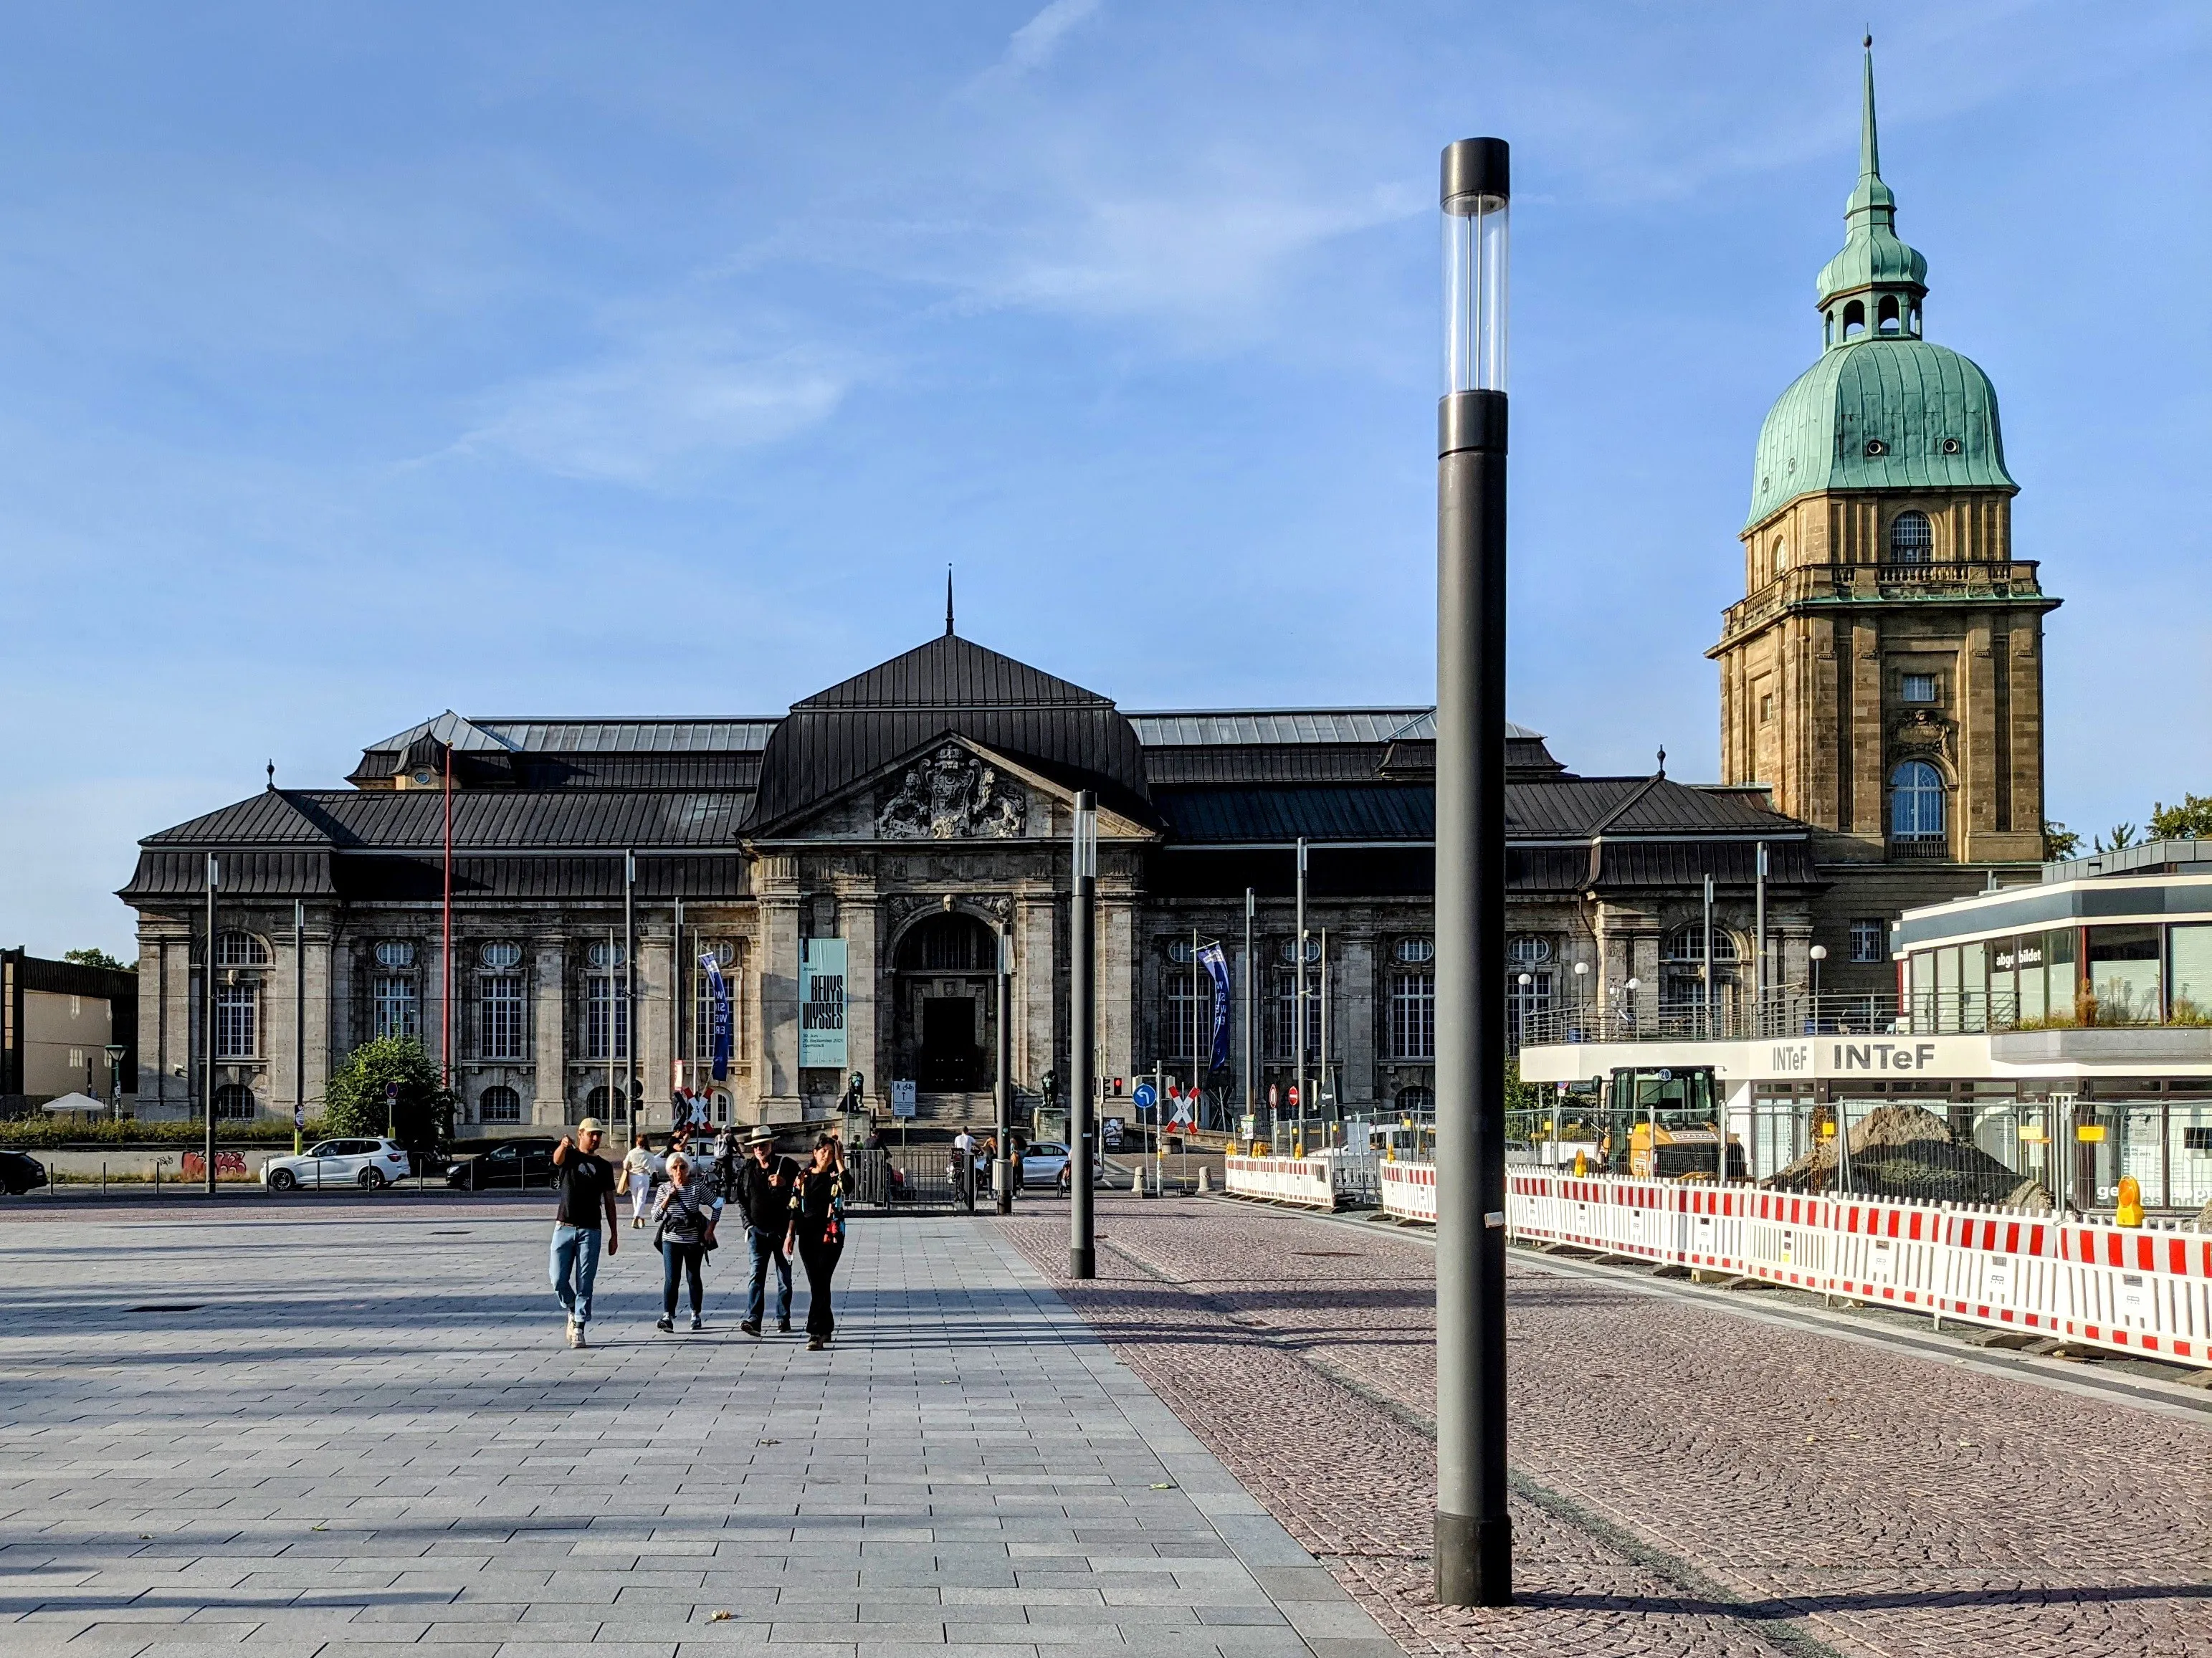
x: 1082, y: 1027
x: 1473, y: 1537
x: 207, y: 1019
x: 1002, y: 1090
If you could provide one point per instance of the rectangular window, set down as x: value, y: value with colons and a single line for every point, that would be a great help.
x: 1870, y: 937
x: 2123, y: 974
x: 1283, y: 1017
x: 2189, y: 977
x: 1523, y: 1001
x: 606, y: 1018
x: 1766, y: 707
x: 395, y: 1008
x: 1414, y: 1015
x: 500, y: 1016
x: 1189, y: 1015
x: 237, y: 1020
x: 1920, y: 688
x: 2061, y: 999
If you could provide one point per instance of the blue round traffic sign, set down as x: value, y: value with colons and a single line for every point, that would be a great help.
x: 1144, y: 1097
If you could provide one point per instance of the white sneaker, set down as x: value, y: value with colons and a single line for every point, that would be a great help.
x: 576, y: 1336
x: 697, y: 1322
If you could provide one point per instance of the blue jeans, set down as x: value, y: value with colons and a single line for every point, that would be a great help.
x: 575, y: 1253
x: 766, y: 1246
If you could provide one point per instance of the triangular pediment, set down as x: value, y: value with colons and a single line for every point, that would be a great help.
x: 952, y: 790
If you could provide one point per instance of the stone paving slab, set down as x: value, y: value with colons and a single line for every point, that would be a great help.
x: 1689, y: 1479
x: 370, y: 1438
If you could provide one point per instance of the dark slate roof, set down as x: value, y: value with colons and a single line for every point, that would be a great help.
x: 530, y: 750
x: 1386, y: 811
x: 874, y: 720
x: 501, y: 819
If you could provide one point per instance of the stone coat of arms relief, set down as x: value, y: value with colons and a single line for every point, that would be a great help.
x: 953, y: 796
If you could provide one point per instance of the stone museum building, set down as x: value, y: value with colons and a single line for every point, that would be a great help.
x: 855, y: 867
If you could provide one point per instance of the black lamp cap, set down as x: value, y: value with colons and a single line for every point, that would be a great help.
x: 1478, y: 166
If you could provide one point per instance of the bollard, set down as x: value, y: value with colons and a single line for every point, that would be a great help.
x: 1137, y: 1181
x: 1205, y: 1179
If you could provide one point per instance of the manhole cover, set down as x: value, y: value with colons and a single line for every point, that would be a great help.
x: 169, y: 1306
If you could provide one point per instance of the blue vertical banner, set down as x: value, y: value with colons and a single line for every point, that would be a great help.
x: 718, y: 999
x: 1217, y: 967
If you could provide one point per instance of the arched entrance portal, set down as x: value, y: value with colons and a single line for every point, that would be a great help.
x: 944, y: 1026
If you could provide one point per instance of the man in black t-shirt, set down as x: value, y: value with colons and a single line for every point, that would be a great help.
x: 586, y: 1183
x: 763, y: 1196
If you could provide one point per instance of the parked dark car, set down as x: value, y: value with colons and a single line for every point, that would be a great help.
x: 510, y: 1166
x: 20, y: 1174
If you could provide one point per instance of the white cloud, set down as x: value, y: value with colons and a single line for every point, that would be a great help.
x: 664, y: 409
x: 1031, y: 46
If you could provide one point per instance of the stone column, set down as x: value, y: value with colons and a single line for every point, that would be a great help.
x: 649, y: 1033
x: 549, y: 1032
x: 1352, y: 1012
x: 1037, y: 998
x: 865, y: 988
x: 777, y: 988
x: 1119, y: 981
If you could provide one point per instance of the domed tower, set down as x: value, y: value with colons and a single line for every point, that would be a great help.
x: 1883, y: 674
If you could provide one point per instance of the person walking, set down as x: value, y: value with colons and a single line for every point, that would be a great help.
x: 639, y: 1168
x: 963, y: 1169
x: 763, y: 1194
x: 686, y: 1232
x: 586, y: 1183
x: 817, y: 1228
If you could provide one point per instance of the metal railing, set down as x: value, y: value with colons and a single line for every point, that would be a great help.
x: 1827, y: 583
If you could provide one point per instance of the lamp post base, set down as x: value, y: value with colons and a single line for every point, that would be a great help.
x: 1474, y: 1561
x: 1082, y: 1263
x: 1003, y: 1186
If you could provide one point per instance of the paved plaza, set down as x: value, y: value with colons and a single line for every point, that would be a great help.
x: 367, y: 1436
x: 321, y: 1428
x: 1692, y: 1475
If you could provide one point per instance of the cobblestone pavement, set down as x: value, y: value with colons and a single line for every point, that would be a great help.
x: 1688, y: 1481
x: 349, y: 1431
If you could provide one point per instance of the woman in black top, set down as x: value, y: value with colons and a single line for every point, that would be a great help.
x: 817, y: 1227
x: 687, y: 1224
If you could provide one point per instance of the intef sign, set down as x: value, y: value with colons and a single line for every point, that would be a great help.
x: 1833, y: 1057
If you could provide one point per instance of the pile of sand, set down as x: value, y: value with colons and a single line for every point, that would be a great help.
x: 1907, y: 1152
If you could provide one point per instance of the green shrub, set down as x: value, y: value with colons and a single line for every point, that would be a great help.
x: 53, y: 1132
x: 354, y: 1102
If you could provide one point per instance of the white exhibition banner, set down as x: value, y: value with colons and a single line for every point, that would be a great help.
x: 822, y: 1003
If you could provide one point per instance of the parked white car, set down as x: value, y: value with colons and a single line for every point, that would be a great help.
x: 1045, y: 1163
x: 369, y: 1164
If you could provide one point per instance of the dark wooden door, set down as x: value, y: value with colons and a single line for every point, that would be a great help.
x: 948, y: 1042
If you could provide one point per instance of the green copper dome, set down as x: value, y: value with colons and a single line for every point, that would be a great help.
x: 1882, y: 409
x: 1879, y: 414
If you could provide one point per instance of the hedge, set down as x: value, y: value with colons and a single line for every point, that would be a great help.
x: 63, y: 1133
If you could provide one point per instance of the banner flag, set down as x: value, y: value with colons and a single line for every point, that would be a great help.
x: 1216, y: 965
x: 718, y: 999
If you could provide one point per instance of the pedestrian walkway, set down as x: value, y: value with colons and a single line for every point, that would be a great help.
x: 362, y: 1433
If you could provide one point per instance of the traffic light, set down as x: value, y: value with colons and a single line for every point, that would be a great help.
x: 1117, y: 1088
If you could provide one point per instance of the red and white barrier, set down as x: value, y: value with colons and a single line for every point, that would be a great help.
x: 2143, y: 1290
x: 1303, y: 1181
x: 1409, y: 1191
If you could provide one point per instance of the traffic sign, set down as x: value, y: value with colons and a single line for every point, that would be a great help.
x: 1144, y: 1097
x: 1275, y: 1098
x: 901, y: 1099
x: 1294, y: 1093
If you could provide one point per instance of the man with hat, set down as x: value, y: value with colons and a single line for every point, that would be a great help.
x: 764, y: 1198
x: 587, y: 1182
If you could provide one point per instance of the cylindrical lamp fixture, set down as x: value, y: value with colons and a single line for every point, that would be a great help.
x: 1476, y: 214
x: 1473, y: 1537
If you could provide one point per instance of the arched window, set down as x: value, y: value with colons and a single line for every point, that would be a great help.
x: 1415, y: 951
x: 1854, y: 319
x: 1529, y: 950
x: 1687, y: 943
x: 602, y: 1102
x: 1288, y: 950
x: 1888, y: 316
x: 500, y: 957
x: 604, y: 954
x: 1916, y: 802
x: 1781, y: 555
x: 395, y: 954
x: 1911, y: 541
x: 499, y: 1104
x: 239, y: 949
x: 951, y: 943
x: 1416, y: 1102
x: 233, y: 1102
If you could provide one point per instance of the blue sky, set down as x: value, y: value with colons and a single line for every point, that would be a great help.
x: 358, y: 363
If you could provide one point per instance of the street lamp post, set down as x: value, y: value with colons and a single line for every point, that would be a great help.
x: 1474, y: 1536
x: 1819, y: 954
x: 207, y: 1043
x: 1002, y: 1092
x: 1082, y: 1024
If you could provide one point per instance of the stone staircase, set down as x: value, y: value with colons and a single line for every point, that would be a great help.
x: 952, y: 1110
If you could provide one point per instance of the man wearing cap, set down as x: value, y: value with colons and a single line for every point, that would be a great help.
x: 764, y: 1198
x: 587, y: 1182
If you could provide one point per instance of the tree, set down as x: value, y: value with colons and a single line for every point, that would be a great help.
x: 2059, y: 841
x: 2120, y: 835
x: 2190, y: 821
x: 354, y: 1099
x: 98, y: 958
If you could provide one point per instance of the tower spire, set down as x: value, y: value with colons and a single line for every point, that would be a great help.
x: 1874, y: 286
x: 1869, y: 147
x: 948, y: 601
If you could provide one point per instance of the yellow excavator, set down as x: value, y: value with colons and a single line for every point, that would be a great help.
x: 1663, y: 1123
